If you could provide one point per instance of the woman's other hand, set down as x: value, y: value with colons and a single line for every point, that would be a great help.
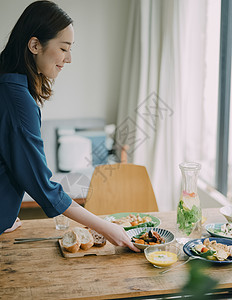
x: 16, y: 224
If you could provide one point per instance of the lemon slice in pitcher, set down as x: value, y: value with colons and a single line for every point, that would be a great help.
x: 188, y: 202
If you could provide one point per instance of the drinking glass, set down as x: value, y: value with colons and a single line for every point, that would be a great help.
x: 62, y: 222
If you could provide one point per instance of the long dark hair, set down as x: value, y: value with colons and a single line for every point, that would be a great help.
x: 43, y: 20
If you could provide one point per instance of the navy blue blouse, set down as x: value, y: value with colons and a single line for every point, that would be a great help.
x: 23, y: 164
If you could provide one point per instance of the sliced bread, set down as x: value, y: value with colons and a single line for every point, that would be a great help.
x: 85, y: 237
x: 99, y: 239
x: 70, y: 242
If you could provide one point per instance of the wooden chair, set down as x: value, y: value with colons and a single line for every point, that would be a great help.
x: 120, y: 188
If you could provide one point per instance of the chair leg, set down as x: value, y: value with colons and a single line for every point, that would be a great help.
x: 124, y: 151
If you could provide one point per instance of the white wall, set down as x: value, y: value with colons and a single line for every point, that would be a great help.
x: 90, y: 86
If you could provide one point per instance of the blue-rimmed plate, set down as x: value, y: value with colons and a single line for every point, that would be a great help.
x: 155, y: 221
x: 215, y: 230
x: 166, y: 234
x: 189, y: 245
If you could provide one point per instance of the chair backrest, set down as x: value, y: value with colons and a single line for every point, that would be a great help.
x: 120, y: 188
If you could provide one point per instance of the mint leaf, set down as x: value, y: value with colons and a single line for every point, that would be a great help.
x: 186, y: 218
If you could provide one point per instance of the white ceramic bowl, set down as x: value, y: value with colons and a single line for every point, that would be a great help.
x: 226, y: 211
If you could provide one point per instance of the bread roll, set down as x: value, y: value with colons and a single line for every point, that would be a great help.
x: 85, y: 237
x: 70, y: 242
x: 99, y: 239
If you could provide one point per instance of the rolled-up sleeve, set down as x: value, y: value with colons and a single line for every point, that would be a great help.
x: 23, y: 151
x: 28, y: 164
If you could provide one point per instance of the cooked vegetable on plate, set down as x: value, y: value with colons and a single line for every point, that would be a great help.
x: 148, y: 238
x: 132, y: 220
x: 144, y: 237
x: 225, y: 230
x: 212, y: 250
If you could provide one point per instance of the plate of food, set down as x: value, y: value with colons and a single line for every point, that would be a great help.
x: 220, y: 229
x: 214, y: 249
x: 133, y: 220
x: 142, y: 237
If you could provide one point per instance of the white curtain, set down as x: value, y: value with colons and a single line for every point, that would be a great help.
x: 161, y: 100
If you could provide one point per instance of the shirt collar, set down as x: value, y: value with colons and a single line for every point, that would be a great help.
x: 16, y: 78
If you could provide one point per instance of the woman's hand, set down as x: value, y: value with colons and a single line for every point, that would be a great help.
x: 16, y: 224
x: 112, y: 232
x: 117, y: 235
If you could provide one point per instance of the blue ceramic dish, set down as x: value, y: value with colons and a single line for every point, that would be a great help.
x: 189, y: 245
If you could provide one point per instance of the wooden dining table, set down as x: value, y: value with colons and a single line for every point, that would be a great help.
x: 37, y: 270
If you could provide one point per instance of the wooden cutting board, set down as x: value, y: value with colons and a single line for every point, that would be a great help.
x: 108, y: 249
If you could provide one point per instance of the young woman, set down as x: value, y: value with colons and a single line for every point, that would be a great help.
x: 38, y: 48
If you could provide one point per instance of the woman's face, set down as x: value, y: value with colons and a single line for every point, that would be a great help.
x: 51, y: 59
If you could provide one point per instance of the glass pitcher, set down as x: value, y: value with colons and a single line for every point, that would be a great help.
x: 189, y: 209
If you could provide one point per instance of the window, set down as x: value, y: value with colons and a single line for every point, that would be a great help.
x: 217, y: 131
x: 210, y: 105
x: 222, y: 161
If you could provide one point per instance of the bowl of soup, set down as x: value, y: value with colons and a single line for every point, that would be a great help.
x: 162, y: 256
